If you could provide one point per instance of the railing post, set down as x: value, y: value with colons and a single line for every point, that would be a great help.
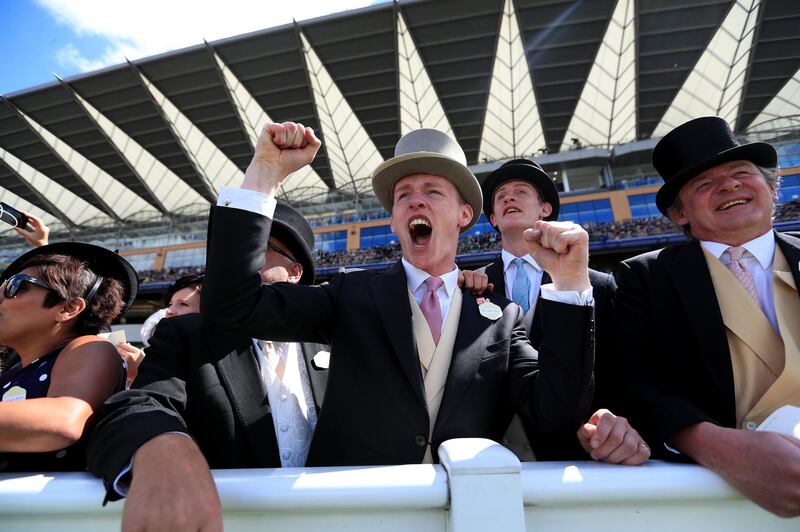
x: 485, y: 486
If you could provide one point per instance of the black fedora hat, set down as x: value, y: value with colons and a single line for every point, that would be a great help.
x: 100, y: 260
x: 521, y: 170
x: 294, y: 232
x: 698, y: 145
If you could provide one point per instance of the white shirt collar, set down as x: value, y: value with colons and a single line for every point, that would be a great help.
x: 762, y: 248
x: 508, y: 257
x: 416, y: 277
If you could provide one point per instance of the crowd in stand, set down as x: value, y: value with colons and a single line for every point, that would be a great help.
x: 168, y: 274
x: 488, y: 241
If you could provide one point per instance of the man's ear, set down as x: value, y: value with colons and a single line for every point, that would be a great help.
x: 295, y: 271
x: 677, y: 215
x: 493, y: 219
x: 465, y: 215
x: 547, y: 210
x: 70, y: 309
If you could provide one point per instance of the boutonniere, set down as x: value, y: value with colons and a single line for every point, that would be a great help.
x: 488, y: 309
x: 322, y: 360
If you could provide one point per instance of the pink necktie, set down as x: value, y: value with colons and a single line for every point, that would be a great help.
x: 431, y: 309
x: 736, y: 266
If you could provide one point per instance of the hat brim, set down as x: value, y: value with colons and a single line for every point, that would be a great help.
x: 390, y: 172
x: 290, y: 238
x: 102, y: 261
x: 759, y: 153
x: 522, y: 172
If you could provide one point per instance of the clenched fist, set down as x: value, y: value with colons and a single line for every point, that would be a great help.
x: 281, y: 149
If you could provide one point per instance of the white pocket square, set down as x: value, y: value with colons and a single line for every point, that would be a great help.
x: 321, y: 360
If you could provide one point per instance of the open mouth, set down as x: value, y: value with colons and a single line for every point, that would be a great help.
x: 511, y: 210
x: 420, y: 231
x: 728, y: 204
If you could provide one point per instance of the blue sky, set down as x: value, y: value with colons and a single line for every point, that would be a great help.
x: 41, y: 37
x: 30, y: 39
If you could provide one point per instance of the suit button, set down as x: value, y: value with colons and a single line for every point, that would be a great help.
x: 420, y: 440
x: 751, y: 425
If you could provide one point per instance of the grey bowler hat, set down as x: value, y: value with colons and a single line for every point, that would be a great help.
x: 428, y: 151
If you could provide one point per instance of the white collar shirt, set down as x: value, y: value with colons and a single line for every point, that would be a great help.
x: 758, y: 261
x: 416, y: 277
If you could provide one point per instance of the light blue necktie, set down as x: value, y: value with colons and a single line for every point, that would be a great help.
x: 520, y: 292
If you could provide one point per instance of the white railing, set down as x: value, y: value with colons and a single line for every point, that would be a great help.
x: 480, y: 486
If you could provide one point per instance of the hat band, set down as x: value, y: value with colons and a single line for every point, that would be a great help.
x: 93, y: 290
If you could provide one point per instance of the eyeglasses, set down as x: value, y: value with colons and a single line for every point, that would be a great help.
x: 279, y: 251
x: 13, y: 284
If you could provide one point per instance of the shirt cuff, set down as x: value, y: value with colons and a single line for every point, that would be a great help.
x: 122, y: 483
x: 247, y: 200
x: 673, y: 451
x: 570, y: 297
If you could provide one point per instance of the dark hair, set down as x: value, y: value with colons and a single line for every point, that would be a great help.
x: 71, y: 278
x: 194, y: 281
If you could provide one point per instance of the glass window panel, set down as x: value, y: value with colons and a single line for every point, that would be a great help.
x: 331, y: 241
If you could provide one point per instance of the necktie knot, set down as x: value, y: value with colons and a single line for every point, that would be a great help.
x: 735, y: 253
x: 433, y: 283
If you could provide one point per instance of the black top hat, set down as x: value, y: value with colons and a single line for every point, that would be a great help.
x: 521, y: 170
x: 698, y: 145
x: 294, y: 232
x: 182, y: 282
x: 101, y: 261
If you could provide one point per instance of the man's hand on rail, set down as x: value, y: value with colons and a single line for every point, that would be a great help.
x: 172, y: 488
x: 610, y: 439
x: 763, y: 466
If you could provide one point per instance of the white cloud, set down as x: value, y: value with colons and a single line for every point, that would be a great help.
x: 136, y: 29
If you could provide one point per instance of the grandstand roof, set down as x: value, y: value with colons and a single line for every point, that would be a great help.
x: 154, y: 139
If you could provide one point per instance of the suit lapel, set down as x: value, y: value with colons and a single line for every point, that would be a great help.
x: 465, y: 360
x: 318, y: 377
x: 497, y: 277
x: 390, y: 292
x: 239, y: 373
x: 692, y: 282
x: 791, y: 250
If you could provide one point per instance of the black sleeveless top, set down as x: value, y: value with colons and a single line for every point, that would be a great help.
x: 31, y: 382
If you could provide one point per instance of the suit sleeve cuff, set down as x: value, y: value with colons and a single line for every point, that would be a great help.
x: 570, y: 297
x: 247, y: 200
x: 122, y: 482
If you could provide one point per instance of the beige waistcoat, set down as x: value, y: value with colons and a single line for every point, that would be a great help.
x: 766, y: 365
x: 434, y: 359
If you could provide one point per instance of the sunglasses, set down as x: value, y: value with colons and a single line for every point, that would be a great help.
x: 13, y: 284
x: 279, y: 251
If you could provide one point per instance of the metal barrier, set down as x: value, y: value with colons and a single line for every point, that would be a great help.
x: 480, y: 486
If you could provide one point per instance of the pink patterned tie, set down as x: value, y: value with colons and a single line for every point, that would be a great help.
x: 431, y: 309
x: 736, y: 266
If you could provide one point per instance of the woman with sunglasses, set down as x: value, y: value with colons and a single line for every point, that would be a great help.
x: 54, y: 300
